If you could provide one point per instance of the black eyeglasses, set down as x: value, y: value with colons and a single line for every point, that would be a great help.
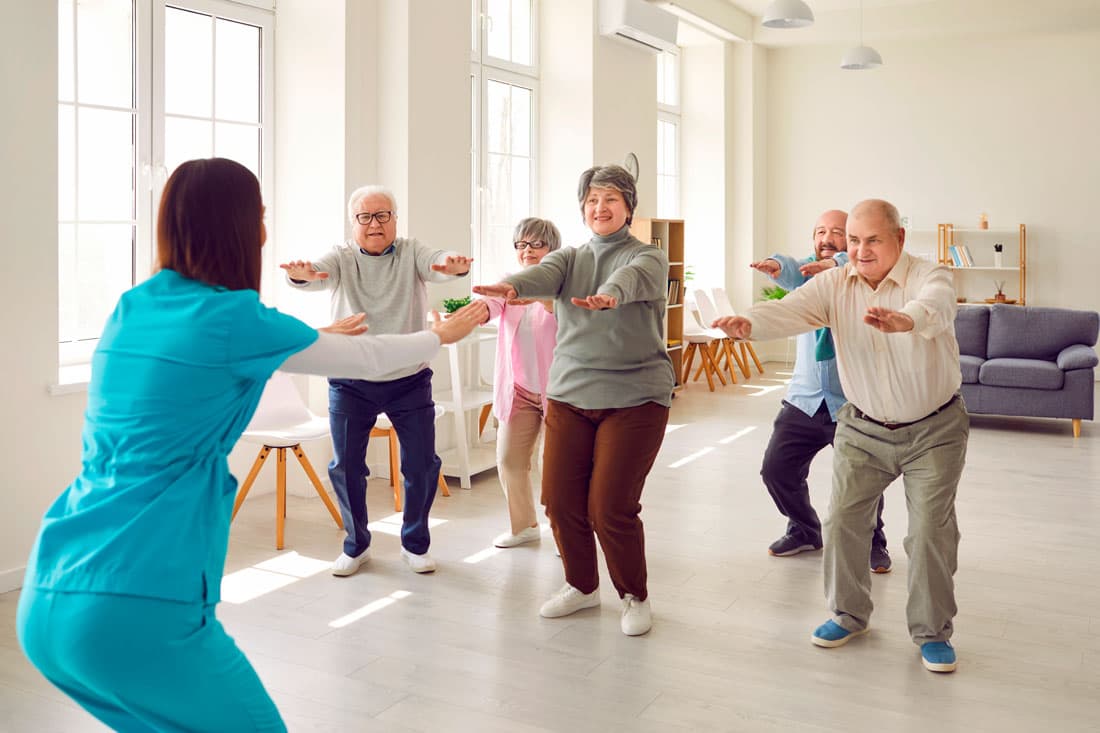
x: 382, y: 217
x: 537, y: 244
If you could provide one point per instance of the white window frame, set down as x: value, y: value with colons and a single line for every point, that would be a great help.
x: 670, y: 113
x: 150, y: 172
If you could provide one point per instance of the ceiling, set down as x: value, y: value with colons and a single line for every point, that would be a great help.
x: 838, y: 20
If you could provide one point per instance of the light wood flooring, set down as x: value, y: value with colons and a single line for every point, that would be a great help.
x: 465, y: 650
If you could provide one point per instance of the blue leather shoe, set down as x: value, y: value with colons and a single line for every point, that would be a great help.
x: 831, y: 634
x: 938, y: 656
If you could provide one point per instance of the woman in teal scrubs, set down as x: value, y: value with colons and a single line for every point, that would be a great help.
x: 117, y: 608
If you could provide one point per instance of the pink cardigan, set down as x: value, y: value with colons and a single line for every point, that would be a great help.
x: 545, y: 327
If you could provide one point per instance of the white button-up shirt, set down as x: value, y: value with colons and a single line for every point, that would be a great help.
x: 890, y: 377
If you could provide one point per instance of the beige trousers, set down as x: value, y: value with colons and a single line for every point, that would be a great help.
x: 516, y: 440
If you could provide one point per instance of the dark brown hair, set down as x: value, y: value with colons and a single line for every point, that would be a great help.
x: 209, y: 224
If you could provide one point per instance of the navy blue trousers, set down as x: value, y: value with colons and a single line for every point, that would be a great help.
x: 354, y: 405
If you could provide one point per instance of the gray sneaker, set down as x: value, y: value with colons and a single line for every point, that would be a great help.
x: 880, y: 560
x: 788, y: 545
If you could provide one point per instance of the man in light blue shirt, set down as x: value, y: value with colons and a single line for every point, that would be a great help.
x: 807, y: 421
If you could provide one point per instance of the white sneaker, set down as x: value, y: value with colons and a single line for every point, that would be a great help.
x: 347, y: 565
x: 637, y: 618
x: 569, y: 600
x: 419, y: 563
x: 530, y: 534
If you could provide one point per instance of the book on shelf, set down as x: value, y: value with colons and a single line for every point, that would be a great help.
x: 673, y: 291
x: 969, y: 258
x: 672, y: 342
x: 656, y: 242
x: 956, y: 256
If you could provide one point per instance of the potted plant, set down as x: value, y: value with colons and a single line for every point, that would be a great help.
x: 773, y: 292
x: 452, y: 304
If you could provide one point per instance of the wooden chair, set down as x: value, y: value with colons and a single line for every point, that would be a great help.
x: 725, y: 350
x: 704, y: 343
x: 383, y: 428
x: 283, y: 421
x: 725, y: 308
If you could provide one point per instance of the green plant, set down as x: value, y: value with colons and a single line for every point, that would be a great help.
x: 689, y: 273
x: 773, y: 293
x: 453, y: 304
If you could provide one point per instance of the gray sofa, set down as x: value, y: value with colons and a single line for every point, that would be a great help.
x: 1028, y: 361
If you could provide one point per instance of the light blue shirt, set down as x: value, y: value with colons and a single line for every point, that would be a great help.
x: 813, y: 380
x: 177, y: 375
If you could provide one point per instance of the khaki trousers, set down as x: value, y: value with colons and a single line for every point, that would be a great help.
x: 929, y: 456
x: 517, y: 437
x: 595, y: 464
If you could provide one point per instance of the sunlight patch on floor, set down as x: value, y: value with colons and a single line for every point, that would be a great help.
x: 692, y: 457
x: 740, y: 433
x: 392, y: 524
x: 270, y: 575
x: 367, y: 610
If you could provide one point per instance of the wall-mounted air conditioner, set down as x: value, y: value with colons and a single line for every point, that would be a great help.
x: 638, y: 23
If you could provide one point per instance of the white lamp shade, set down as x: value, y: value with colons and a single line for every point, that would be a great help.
x: 788, y: 14
x: 861, y: 57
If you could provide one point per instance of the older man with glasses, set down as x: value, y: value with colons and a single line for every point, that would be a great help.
x: 383, y: 276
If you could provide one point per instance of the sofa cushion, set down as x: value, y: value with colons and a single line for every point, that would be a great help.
x: 1030, y: 373
x: 1038, y: 333
x: 970, y: 366
x: 972, y: 330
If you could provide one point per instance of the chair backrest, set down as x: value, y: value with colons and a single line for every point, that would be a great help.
x: 692, y: 324
x: 707, y: 312
x: 281, y: 405
x: 722, y: 302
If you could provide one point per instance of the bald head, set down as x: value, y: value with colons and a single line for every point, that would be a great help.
x: 829, y: 233
x: 875, y: 239
x: 878, y: 208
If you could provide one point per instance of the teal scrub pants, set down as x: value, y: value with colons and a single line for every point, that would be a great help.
x: 143, y: 664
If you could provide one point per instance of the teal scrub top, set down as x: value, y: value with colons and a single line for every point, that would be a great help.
x: 177, y: 375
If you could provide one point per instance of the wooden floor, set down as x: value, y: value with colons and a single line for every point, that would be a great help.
x: 465, y: 650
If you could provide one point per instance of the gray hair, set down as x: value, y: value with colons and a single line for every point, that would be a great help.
x: 885, y: 209
x: 362, y: 192
x: 609, y: 176
x: 540, y: 229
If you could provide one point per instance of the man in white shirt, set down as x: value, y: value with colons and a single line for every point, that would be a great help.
x: 892, y: 318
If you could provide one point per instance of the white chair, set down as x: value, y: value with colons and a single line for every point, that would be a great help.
x: 282, y: 420
x: 724, y: 349
x: 383, y: 428
x: 725, y: 308
x: 704, y: 342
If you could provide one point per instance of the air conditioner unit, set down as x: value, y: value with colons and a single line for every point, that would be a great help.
x: 638, y: 23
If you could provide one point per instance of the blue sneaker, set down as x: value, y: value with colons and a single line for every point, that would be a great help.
x: 831, y: 634
x: 938, y: 656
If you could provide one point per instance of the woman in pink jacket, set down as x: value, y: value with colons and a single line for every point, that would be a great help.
x: 525, y: 348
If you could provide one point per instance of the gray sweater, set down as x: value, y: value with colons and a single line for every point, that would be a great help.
x: 611, y: 358
x: 389, y: 288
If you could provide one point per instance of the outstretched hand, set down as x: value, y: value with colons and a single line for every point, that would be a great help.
x: 478, y: 306
x: 303, y: 270
x: 454, y: 265
x: 497, y: 290
x: 812, y: 268
x: 459, y: 324
x: 736, y: 327
x: 769, y: 267
x: 888, y: 321
x: 596, y: 302
x: 350, y: 326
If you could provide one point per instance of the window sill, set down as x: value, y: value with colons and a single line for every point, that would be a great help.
x: 71, y: 379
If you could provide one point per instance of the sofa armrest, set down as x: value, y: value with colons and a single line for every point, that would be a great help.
x: 1077, y: 356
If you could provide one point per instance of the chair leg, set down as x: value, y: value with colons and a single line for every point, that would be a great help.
x: 1077, y: 427
x: 727, y: 352
x: 483, y: 418
x: 707, y: 366
x: 395, y: 469
x: 308, y: 468
x: 744, y: 360
x: 752, y: 353
x: 715, y: 352
x: 443, y: 485
x: 243, y: 491
x: 280, y: 497
x: 689, y: 358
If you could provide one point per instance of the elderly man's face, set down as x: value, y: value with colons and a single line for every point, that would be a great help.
x: 605, y: 210
x: 874, y: 246
x: 829, y: 234
x: 375, y: 236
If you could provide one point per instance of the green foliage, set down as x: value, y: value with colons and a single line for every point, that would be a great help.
x: 689, y: 273
x: 773, y: 293
x: 453, y: 304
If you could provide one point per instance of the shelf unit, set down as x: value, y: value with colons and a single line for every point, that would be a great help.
x: 980, y: 244
x: 464, y: 401
x: 668, y: 234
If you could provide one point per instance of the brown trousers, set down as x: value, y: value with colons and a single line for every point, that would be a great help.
x: 595, y: 463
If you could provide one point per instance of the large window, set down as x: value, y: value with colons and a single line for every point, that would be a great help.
x: 668, y: 135
x: 143, y: 86
x: 504, y: 90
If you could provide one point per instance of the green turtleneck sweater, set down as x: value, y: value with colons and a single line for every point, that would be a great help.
x: 615, y: 357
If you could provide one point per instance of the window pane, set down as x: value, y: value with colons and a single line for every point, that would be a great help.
x: 498, y: 117
x: 521, y: 32
x: 186, y: 140
x: 237, y: 76
x: 520, y: 133
x: 104, y: 270
x: 66, y: 162
x: 240, y: 143
x: 662, y: 91
x: 521, y: 188
x: 499, y: 255
x: 67, y: 300
x: 66, y: 47
x: 498, y: 42
x: 188, y: 63
x: 105, y: 165
x: 104, y: 45
x: 498, y: 197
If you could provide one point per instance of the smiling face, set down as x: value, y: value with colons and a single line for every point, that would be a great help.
x: 605, y: 211
x: 874, y: 242
x: 829, y: 234
x: 528, y: 256
x: 375, y: 237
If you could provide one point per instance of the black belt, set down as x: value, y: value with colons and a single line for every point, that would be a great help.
x: 896, y: 425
